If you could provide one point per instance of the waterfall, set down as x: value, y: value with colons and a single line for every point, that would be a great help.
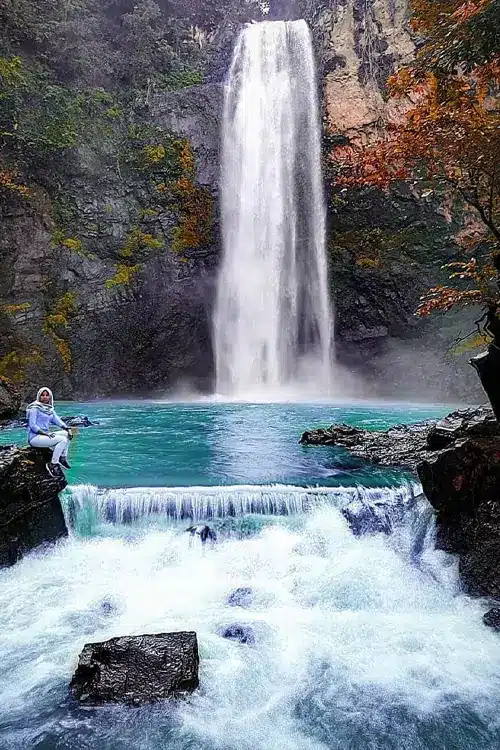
x: 273, y: 322
x: 204, y: 503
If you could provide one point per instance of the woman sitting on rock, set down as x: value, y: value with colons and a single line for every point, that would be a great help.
x: 41, y: 415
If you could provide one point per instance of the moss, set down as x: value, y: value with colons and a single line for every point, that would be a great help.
x: 60, y: 239
x: 180, y: 79
x: 153, y: 150
x: 153, y: 154
x: 56, y: 321
x: 14, y: 364
x: 368, y: 262
x: 73, y: 243
x: 138, y: 241
x: 64, y: 210
x: 381, y: 246
x: 148, y: 213
x: 123, y: 276
x: 16, y: 308
x: 114, y: 112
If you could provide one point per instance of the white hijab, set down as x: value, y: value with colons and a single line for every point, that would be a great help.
x: 45, y: 408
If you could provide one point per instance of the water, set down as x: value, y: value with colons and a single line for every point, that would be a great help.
x: 273, y: 323
x: 361, y: 643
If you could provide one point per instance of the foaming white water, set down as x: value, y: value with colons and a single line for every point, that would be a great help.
x: 201, y: 503
x: 273, y: 322
x: 356, y: 646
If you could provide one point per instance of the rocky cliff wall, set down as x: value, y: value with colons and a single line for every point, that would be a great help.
x: 385, y: 249
x: 107, y: 278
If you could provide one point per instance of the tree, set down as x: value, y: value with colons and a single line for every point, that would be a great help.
x: 446, y: 138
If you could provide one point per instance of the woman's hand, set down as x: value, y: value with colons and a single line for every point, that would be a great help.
x: 70, y: 433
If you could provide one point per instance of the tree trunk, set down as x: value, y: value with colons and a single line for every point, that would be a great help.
x: 487, y: 365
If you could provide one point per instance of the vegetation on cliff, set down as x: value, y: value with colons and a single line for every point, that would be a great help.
x: 448, y: 138
x: 445, y: 141
x: 76, y: 82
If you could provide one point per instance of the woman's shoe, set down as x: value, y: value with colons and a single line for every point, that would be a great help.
x: 54, y: 470
x: 64, y: 462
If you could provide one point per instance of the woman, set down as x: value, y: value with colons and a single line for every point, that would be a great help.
x: 41, y: 415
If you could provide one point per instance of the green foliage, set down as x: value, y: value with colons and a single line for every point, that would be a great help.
x: 123, y: 276
x: 16, y: 308
x: 138, y: 241
x: 56, y: 321
x: 180, y: 79
x: 40, y: 117
x: 154, y: 150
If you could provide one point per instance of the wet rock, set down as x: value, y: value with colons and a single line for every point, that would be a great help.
x: 202, y: 532
x: 10, y: 399
x: 457, y: 460
x: 492, y: 619
x: 405, y: 446
x: 364, y: 518
x: 30, y: 511
x: 237, y: 632
x: 462, y: 483
x: 240, y: 597
x: 402, y: 446
x: 80, y: 421
x: 137, y: 669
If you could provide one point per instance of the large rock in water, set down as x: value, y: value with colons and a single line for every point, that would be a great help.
x: 457, y: 460
x: 137, y: 669
x: 30, y: 511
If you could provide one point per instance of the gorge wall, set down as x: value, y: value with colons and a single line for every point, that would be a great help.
x: 108, y: 267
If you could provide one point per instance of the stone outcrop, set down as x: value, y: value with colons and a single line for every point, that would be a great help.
x: 241, y: 597
x: 239, y: 633
x: 457, y: 460
x: 403, y: 446
x: 10, y: 399
x: 30, y: 511
x: 137, y: 669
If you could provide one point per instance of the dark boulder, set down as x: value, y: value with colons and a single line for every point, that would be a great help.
x: 137, y: 669
x: 462, y: 483
x: 492, y: 619
x: 237, y: 632
x: 10, y: 399
x: 80, y: 421
x: 240, y: 597
x: 30, y: 511
x: 402, y: 446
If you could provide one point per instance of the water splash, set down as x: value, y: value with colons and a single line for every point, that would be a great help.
x: 355, y: 645
x: 273, y: 322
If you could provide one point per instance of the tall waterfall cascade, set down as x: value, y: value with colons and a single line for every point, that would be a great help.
x: 273, y: 320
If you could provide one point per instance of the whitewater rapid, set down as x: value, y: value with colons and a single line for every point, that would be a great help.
x: 358, y: 644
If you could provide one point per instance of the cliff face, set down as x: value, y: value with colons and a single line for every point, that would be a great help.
x: 107, y: 275
x: 385, y: 249
x: 118, y: 298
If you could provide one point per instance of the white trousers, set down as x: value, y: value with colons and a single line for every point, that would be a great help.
x: 60, y: 444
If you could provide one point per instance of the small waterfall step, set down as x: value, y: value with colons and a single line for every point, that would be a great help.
x: 203, y: 503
